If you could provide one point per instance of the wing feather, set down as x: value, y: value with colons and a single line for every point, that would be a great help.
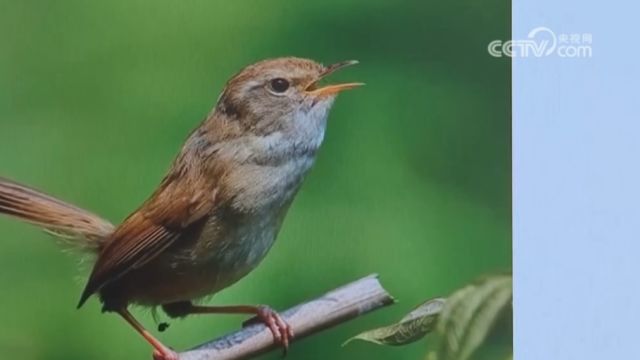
x: 171, y: 211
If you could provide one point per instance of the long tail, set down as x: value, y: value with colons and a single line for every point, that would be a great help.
x: 80, y: 227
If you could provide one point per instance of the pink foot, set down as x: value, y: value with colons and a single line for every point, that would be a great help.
x: 282, y: 332
x: 165, y: 354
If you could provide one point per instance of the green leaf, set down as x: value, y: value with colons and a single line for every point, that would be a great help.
x: 463, y: 322
x: 470, y: 315
x: 409, y: 329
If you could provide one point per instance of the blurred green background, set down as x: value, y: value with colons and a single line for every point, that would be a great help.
x: 413, y: 181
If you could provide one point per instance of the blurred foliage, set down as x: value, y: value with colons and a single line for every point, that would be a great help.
x: 413, y: 178
x: 463, y: 323
x: 473, y: 315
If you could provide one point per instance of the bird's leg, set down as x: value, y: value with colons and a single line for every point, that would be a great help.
x: 160, y: 352
x: 282, y: 332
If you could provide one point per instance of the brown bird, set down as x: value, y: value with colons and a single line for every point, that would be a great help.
x: 217, y: 211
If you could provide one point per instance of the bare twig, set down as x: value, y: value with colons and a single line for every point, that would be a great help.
x: 333, y: 308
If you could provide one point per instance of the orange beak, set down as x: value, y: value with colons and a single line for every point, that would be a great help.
x: 332, y: 89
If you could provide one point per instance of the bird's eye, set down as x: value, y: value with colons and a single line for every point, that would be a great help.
x: 279, y: 85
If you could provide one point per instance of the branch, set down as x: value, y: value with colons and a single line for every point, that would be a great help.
x: 333, y: 308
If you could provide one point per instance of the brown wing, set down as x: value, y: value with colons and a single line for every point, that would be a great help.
x: 173, y: 209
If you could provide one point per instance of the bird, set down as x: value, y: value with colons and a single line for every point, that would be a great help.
x: 218, y: 209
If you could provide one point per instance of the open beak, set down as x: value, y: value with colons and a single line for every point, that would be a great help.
x: 328, y: 90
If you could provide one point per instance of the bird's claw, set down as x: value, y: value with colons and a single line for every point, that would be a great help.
x: 282, y: 332
x: 165, y: 354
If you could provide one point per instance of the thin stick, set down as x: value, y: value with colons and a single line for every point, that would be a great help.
x: 333, y: 308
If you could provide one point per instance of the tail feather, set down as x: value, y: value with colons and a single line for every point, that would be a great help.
x: 84, y: 228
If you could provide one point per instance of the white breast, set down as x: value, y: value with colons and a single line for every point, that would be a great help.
x: 267, y: 194
x: 269, y: 171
